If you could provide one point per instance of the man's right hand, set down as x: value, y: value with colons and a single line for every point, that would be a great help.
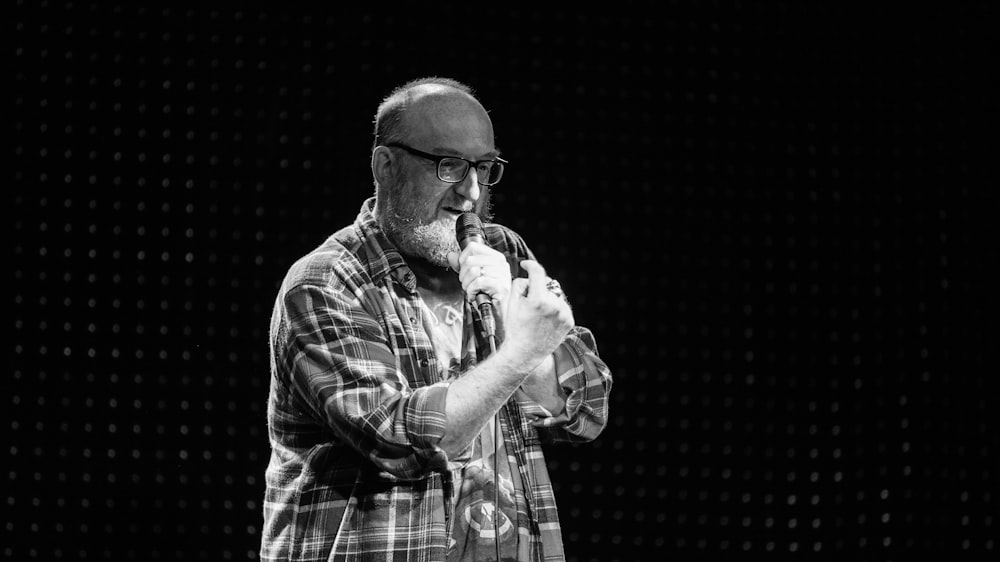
x: 537, y: 320
x: 535, y: 324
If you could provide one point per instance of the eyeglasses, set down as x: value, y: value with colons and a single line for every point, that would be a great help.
x: 452, y: 169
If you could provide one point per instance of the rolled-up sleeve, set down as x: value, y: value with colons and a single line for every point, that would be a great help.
x: 586, y: 380
x: 335, y: 358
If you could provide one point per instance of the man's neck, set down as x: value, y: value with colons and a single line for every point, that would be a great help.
x: 442, y: 281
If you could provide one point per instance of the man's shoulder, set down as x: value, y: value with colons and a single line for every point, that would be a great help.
x: 509, y: 243
x: 337, y: 255
x: 503, y: 238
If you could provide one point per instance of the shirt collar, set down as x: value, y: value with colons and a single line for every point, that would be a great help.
x: 380, y: 254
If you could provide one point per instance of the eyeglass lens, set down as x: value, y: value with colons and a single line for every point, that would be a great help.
x: 455, y: 170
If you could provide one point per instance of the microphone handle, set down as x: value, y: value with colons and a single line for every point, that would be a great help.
x: 468, y: 229
x: 485, y: 306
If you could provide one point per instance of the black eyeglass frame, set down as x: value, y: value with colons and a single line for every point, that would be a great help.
x: 437, y: 163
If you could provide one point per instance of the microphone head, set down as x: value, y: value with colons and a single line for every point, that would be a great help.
x: 468, y: 228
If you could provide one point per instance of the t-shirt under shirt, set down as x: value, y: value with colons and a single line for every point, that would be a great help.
x: 477, y: 519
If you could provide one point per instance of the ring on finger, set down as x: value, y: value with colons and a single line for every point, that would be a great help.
x: 554, y: 287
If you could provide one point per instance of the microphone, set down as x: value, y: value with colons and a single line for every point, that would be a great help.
x: 469, y: 228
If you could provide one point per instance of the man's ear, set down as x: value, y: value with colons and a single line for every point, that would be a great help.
x: 382, y: 162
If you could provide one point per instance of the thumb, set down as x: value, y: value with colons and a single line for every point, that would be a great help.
x: 536, y: 276
x: 453, y: 261
x: 518, y: 288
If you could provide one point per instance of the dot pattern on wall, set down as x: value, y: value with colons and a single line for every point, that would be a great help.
x: 774, y: 217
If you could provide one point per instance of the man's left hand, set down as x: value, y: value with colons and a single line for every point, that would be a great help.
x: 482, y: 269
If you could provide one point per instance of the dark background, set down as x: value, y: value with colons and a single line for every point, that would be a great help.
x: 777, y: 219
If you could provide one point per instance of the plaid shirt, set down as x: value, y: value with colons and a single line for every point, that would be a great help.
x: 356, y: 411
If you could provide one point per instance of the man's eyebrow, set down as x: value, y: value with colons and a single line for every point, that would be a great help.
x: 441, y: 150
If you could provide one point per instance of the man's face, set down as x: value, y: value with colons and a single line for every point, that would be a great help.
x: 421, y: 214
x: 420, y: 209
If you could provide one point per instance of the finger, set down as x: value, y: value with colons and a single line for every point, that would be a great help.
x: 484, y: 265
x: 487, y: 286
x: 536, y: 276
x: 470, y: 273
x: 484, y: 259
x: 473, y: 249
x: 519, y: 287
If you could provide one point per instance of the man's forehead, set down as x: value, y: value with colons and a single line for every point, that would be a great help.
x: 450, y: 118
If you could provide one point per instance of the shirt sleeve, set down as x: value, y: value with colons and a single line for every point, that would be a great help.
x: 334, y: 357
x: 586, y: 380
x: 582, y: 374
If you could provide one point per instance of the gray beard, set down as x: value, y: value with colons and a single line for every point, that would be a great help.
x: 433, y: 241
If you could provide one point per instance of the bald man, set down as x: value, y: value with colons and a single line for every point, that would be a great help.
x: 399, y: 430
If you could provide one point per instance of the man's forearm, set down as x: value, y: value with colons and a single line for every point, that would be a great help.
x: 543, y: 388
x: 476, y: 396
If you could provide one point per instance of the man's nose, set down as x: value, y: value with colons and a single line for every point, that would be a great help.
x: 469, y: 187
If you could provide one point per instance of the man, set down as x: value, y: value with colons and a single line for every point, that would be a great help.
x: 397, y: 432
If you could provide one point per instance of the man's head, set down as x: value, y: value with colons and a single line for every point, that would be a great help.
x: 415, y: 207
